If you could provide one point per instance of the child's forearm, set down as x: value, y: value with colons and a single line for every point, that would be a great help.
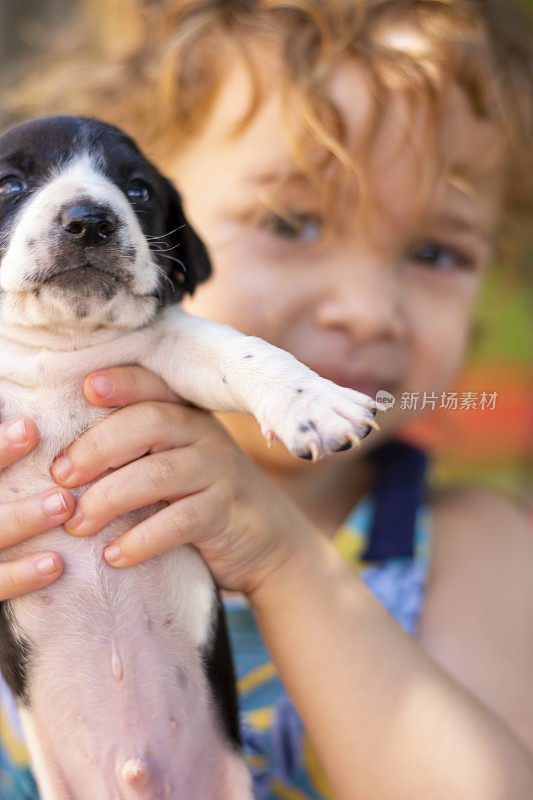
x: 387, y: 721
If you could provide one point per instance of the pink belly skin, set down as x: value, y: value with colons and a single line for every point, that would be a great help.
x: 119, y: 705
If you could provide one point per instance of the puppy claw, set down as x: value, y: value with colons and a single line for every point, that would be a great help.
x: 353, y: 438
x: 313, y: 449
x: 372, y: 424
x: 270, y: 437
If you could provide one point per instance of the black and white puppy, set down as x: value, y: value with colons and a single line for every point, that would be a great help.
x: 123, y: 677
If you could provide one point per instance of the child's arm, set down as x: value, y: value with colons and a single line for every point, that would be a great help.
x: 480, y: 599
x: 386, y: 719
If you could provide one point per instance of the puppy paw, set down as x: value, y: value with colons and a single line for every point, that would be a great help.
x: 317, y: 417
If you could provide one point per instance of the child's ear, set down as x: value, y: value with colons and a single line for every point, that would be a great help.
x: 192, y: 264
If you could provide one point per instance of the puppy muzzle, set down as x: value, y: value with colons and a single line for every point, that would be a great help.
x: 87, y: 224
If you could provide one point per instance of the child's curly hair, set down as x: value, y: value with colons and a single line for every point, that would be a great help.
x: 155, y: 68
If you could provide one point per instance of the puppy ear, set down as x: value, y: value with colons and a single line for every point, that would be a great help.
x: 192, y: 264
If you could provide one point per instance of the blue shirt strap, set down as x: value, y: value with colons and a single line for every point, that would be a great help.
x: 399, y: 491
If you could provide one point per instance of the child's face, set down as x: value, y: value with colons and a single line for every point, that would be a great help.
x: 387, y: 303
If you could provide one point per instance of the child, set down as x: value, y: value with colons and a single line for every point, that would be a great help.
x: 349, y: 165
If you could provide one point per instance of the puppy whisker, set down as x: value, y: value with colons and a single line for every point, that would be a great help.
x: 165, y: 278
x: 163, y: 235
x: 172, y: 258
x: 164, y: 249
x: 164, y: 254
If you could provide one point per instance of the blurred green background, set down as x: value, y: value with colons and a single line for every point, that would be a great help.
x: 494, y: 448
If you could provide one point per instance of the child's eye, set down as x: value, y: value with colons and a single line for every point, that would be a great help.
x: 440, y: 257
x: 305, y: 228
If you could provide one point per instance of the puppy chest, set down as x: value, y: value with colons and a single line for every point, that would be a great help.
x: 61, y: 414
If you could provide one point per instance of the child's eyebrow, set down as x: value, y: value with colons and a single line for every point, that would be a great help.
x: 294, y: 177
x: 464, y: 224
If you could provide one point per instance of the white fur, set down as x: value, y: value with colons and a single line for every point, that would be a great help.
x: 119, y: 706
x: 79, y: 179
x: 107, y: 643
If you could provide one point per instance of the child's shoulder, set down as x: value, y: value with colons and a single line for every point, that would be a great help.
x: 477, y: 620
x: 478, y: 522
x: 482, y: 555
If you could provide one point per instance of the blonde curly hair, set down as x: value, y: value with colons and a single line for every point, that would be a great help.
x: 155, y: 68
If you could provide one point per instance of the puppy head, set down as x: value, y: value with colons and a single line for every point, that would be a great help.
x: 91, y: 234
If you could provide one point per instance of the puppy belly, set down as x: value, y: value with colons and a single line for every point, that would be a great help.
x: 119, y: 705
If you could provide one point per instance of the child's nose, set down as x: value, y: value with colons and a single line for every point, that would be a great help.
x: 365, y: 300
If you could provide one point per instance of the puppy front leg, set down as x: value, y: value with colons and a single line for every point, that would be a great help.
x: 216, y: 367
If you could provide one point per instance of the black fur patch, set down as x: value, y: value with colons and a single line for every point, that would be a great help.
x: 219, y: 670
x: 14, y: 657
x: 310, y: 425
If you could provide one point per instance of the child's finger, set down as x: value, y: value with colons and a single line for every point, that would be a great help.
x: 22, y: 519
x: 158, y: 477
x: 188, y: 520
x: 17, y: 437
x: 121, y: 386
x: 29, y: 574
x: 126, y: 435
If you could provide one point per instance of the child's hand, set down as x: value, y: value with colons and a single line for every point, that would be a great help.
x: 27, y: 517
x: 160, y: 450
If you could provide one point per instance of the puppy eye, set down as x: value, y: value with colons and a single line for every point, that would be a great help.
x: 11, y: 185
x: 139, y: 192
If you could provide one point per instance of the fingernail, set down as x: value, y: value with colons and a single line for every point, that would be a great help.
x: 62, y: 467
x: 46, y: 565
x: 75, y: 519
x: 16, y: 432
x: 55, y: 503
x: 112, y: 553
x: 102, y: 385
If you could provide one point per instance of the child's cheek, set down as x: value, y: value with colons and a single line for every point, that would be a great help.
x: 243, y: 293
x: 440, y: 338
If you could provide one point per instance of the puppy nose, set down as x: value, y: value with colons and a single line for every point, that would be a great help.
x: 89, y: 224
